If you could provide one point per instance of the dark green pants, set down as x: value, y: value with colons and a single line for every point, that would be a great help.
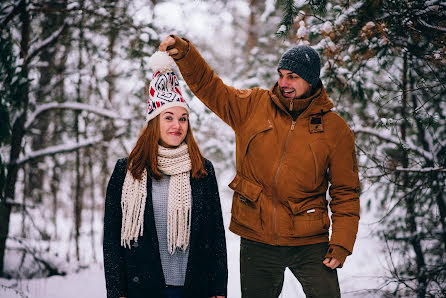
x: 262, y: 268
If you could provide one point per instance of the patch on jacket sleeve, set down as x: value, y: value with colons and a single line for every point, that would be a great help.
x: 243, y: 93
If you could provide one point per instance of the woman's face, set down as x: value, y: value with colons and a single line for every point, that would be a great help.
x: 173, y: 126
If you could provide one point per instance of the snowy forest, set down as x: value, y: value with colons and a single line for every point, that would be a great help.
x: 72, y: 101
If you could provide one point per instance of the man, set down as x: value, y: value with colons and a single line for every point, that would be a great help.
x: 289, y: 147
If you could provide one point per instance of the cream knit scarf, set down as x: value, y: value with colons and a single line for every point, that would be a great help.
x: 175, y: 163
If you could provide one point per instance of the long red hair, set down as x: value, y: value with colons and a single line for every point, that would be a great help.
x: 145, y: 153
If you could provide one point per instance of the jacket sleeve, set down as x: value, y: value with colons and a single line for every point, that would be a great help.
x: 344, y: 192
x: 230, y: 104
x: 114, y: 261
x: 218, y: 258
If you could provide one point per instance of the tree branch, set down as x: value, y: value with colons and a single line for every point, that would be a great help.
x: 11, y: 15
x: 13, y: 203
x: 63, y: 148
x: 394, y: 140
x: 72, y: 106
x: 35, y: 50
x: 442, y: 29
x: 419, y: 170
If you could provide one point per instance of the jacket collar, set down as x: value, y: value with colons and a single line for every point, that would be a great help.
x: 320, y: 103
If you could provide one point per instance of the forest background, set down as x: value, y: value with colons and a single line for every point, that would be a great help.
x: 72, y: 89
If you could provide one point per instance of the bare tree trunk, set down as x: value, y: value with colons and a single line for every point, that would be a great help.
x: 112, y: 35
x: 77, y: 189
x: 93, y: 205
x: 25, y: 192
x: 441, y: 202
x: 77, y: 192
x: 54, y: 186
x: 252, y: 26
x: 47, y: 69
x: 411, y: 196
x: 59, y: 118
x: 421, y: 134
x: 17, y: 134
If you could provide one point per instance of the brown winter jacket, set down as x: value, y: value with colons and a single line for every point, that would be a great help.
x: 284, y: 167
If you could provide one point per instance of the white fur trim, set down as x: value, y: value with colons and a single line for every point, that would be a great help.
x: 161, y: 61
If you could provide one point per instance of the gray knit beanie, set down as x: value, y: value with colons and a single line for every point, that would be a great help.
x: 303, y: 61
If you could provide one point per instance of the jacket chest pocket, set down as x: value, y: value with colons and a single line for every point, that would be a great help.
x: 256, y: 144
x: 246, y: 205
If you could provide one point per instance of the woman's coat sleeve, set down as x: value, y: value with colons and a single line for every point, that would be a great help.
x: 218, y: 257
x: 114, y: 261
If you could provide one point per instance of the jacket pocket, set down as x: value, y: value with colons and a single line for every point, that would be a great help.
x: 245, y: 205
x: 309, y: 222
x: 252, y: 137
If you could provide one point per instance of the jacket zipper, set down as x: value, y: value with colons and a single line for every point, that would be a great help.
x: 293, y: 124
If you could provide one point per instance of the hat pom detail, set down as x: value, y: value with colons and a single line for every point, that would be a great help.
x: 161, y: 61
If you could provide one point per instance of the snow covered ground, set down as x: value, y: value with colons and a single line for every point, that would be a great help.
x: 362, y: 270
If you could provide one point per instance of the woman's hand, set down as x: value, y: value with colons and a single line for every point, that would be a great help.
x: 218, y: 297
x: 169, y: 41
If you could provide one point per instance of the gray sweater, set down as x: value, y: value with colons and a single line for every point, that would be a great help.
x: 174, y: 266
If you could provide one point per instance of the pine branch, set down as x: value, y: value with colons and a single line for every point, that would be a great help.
x: 319, y: 6
x: 290, y: 11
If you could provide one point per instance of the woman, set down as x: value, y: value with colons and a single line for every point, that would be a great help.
x: 163, y: 227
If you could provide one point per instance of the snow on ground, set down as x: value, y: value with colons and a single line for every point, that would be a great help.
x: 361, y: 270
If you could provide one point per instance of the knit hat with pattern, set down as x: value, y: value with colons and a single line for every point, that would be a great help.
x: 164, y: 89
x: 303, y: 61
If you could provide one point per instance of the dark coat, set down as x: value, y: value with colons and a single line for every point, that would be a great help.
x: 137, y: 272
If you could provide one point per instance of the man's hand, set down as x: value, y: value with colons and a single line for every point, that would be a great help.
x: 168, y: 42
x: 331, y: 263
x: 218, y: 297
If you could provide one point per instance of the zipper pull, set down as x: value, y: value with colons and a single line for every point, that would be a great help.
x: 292, y: 125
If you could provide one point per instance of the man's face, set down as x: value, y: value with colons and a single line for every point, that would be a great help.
x: 293, y: 86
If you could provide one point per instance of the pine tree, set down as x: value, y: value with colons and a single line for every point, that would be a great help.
x: 45, y: 110
x: 12, y: 82
x: 403, y: 43
x: 385, y: 66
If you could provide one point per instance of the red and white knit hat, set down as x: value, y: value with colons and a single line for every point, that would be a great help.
x: 164, y: 89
